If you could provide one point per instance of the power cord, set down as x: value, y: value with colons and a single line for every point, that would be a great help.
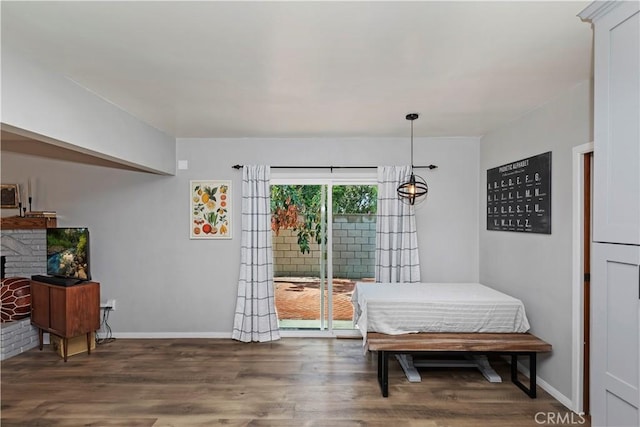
x: 104, y: 325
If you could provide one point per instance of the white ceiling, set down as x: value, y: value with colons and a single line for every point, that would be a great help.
x: 306, y: 69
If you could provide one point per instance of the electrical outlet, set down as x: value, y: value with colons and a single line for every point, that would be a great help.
x: 109, y: 305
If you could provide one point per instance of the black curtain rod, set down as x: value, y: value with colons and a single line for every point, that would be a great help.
x: 334, y: 167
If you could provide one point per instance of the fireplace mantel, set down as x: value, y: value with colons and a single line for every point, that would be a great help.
x: 22, y: 223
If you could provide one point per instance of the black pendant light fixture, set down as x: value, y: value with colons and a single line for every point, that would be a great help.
x: 415, y: 188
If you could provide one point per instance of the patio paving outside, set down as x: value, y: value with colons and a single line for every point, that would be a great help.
x: 298, y: 298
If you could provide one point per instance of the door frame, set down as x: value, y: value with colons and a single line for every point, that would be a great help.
x: 329, y: 179
x: 577, y: 375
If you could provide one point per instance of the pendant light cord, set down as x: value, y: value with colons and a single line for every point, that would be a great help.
x: 412, y: 146
x: 411, y: 117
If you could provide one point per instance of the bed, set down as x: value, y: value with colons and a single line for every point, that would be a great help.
x: 402, y: 308
x: 451, y: 309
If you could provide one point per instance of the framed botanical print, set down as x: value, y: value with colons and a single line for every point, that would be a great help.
x: 210, y: 209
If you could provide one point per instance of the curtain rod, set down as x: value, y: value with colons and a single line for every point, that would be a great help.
x: 335, y: 167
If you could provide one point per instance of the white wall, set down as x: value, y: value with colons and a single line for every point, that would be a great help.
x: 535, y: 267
x: 57, y: 110
x: 166, y: 283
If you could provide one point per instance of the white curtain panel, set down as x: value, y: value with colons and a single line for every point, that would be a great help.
x: 397, y: 259
x: 255, y: 316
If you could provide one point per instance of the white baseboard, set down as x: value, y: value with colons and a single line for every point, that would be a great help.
x: 162, y: 335
x: 548, y: 388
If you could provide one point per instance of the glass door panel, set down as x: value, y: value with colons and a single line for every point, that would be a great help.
x: 299, y: 255
x: 311, y: 225
x: 353, y: 225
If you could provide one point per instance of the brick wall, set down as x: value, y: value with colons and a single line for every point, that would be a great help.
x: 26, y: 252
x: 354, y: 242
x: 17, y: 337
x: 26, y: 255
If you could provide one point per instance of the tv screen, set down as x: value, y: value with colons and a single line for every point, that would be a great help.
x: 68, y: 253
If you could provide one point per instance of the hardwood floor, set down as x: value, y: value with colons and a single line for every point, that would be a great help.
x: 292, y: 382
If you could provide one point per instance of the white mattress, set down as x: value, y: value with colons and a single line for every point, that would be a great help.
x: 402, y: 308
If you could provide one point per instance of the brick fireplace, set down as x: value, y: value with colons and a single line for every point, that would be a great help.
x: 24, y: 250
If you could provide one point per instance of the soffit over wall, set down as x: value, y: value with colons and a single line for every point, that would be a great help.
x: 15, y: 143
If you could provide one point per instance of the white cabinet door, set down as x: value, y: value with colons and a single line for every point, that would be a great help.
x: 615, y: 335
x: 616, y: 216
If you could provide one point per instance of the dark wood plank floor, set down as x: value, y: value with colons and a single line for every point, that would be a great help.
x: 292, y: 382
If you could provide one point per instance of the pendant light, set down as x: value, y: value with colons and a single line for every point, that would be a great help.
x: 415, y: 188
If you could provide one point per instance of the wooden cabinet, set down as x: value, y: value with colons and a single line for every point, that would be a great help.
x: 40, y: 306
x: 66, y: 311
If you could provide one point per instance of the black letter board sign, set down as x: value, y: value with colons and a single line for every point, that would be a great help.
x: 519, y: 196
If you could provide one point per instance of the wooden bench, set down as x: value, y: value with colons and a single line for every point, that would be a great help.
x: 474, y: 343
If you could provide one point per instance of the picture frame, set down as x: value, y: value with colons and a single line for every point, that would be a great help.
x: 519, y: 196
x: 9, y: 196
x: 211, y: 213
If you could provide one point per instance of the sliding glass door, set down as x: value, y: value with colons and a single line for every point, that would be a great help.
x: 353, y: 244
x: 323, y: 242
x: 299, y: 254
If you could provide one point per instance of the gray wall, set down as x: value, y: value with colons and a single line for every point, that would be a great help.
x: 534, y: 267
x: 164, y: 283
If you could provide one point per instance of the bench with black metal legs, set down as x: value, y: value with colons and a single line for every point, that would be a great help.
x: 514, y: 345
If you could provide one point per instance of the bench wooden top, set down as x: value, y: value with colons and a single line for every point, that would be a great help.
x: 423, y: 342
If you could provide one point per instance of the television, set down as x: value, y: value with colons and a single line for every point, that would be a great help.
x: 68, y: 253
